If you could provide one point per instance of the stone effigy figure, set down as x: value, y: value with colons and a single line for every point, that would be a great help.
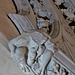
x: 32, y: 51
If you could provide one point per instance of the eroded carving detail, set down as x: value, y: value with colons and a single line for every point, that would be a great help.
x: 43, y: 17
x: 28, y: 51
x: 33, y: 52
x: 54, y: 68
x: 67, y: 8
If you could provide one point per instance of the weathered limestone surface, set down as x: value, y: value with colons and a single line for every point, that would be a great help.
x: 33, y: 50
x: 48, y: 21
x: 34, y: 42
x: 58, y: 30
x: 66, y: 43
